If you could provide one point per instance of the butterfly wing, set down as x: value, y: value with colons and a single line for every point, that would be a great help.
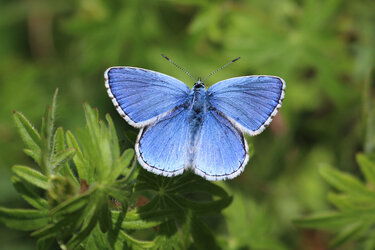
x: 142, y: 96
x: 221, y: 150
x: 162, y: 148
x: 250, y: 101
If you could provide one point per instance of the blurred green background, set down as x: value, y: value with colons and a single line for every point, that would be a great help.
x: 323, y: 49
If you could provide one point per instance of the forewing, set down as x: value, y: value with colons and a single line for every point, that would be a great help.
x: 162, y: 148
x: 142, y: 96
x: 250, y: 101
x: 221, y: 150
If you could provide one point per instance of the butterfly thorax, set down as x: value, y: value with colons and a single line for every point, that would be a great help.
x: 197, y: 110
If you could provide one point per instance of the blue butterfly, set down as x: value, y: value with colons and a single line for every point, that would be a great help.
x: 199, y: 129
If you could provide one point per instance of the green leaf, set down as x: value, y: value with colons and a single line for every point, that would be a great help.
x: 50, y: 230
x: 32, y: 176
x: 35, y: 155
x: 62, y: 157
x: 104, y: 214
x: 47, y: 129
x: 97, y: 240
x: 112, y: 235
x: 342, y: 202
x: 58, y: 160
x: 168, y: 236
x: 130, y: 173
x: 349, y: 233
x: 62, y: 228
x: 45, y: 244
x: 367, y: 168
x: 202, y: 208
x: 131, y: 242
x: 23, y: 219
x: 28, y: 193
x: 92, y: 118
x: 346, y: 183
x: 199, y: 185
x: 202, y: 235
x: 142, y: 220
x: 45, y: 151
x: 328, y: 221
x: 59, y: 140
x: 71, y: 205
x: 91, y: 218
x: 115, y: 148
x: 28, y: 133
x: 250, y: 224
x: 123, y: 162
x: 78, y: 158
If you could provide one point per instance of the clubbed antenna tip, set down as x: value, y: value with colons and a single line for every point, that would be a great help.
x: 166, y: 57
x: 177, y: 66
x: 235, y: 59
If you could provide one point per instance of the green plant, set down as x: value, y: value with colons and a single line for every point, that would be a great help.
x: 86, y: 194
x: 354, y: 216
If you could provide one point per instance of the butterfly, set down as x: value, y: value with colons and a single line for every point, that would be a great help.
x: 199, y: 129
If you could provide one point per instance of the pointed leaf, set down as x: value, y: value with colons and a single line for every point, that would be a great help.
x: 59, y: 140
x: 64, y: 227
x: 50, y: 117
x: 45, y: 149
x: 202, y: 207
x: 78, y: 159
x: 202, y: 235
x: 57, y: 158
x: 28, y: 194
x: 45, y: 244
x: 97, y: 240
x: 48, y: 121
x: 92, y: 122
x: 32, y: 176
x: 71, y: 205
x: 91, y: 218
x: 113, y: 137
x: 346, y: 183
x: 143, y: 220
x: 23, y: 219
x: 133, y: 243
x: 62, y: 157
x: 28, y: 133
x: 367, y: 168
x: 199, y: 185
x: 123, y: 162
x: 349, y: 233
x: 342, y: 202
x: 104, y: 214
x: 168, y: 236
x: 34, y: 154
x: 130, y: 173
x: 327, y: 221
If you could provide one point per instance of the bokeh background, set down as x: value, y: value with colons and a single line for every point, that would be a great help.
x: 323, y: 49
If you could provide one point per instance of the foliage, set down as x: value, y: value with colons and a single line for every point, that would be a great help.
x: 355, y: 206
x: 83, y: 194
x: 323, y: 49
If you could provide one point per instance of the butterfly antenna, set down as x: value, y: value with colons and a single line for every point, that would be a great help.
x: 220, y: 68
x: 177, y: 66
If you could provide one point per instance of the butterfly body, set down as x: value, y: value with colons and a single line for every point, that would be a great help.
x: 199, y: 129
x: 197, y: 110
